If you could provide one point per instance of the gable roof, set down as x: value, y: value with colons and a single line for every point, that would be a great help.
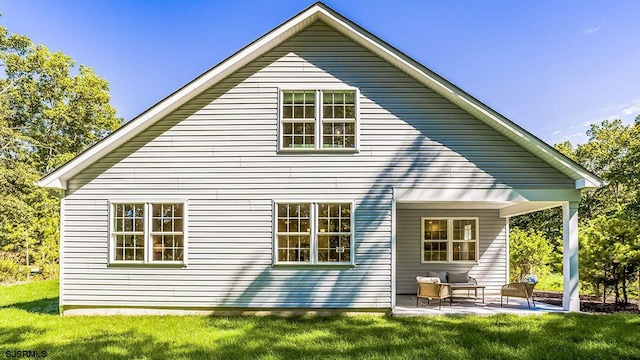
x: 319, y: 11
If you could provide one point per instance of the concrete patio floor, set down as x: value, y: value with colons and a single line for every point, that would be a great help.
x: 406, y: 306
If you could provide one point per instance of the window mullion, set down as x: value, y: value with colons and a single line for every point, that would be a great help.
x: 314, y: 234
x: 318, y: 116
x: 450, y: 240
x: 147, y: 233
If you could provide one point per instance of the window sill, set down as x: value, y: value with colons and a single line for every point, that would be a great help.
x: 147, y: 265
x: 317, y: 151
x: 307, y: 266
x: 450, y: 262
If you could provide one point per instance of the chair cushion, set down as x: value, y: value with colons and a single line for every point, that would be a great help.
x: 441, y: 275
x: 430, y: 279
x: 458, y: 277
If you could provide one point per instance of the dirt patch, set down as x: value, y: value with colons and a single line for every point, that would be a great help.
x: 588, y: 303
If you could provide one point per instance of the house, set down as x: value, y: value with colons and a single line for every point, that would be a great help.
x: 318, y: 168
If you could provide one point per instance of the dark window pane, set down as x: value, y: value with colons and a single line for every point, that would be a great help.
x: 350, y: 97
x: 309, y: 112
x: 128, y: 254
x: 327, y: 112
x: 287, y: 142
x: 287, y: 98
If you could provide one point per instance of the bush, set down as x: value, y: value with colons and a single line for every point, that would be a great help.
x: 10, y: 271
x: 529, y: 253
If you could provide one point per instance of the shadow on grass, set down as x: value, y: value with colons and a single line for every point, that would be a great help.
x: 105, y: 345
x: 498, y: 337
x: 567, y: 337
x: 40, y: 306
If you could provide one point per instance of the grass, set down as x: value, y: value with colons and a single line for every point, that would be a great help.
x: 550, y: 282
x: 29, y: 322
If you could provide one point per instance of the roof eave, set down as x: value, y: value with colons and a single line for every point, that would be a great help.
x: 181, y: 96
x: 583, y: 178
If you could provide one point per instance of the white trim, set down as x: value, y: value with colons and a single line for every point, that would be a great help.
x: 570, y: 273
x: 527, y: 207
x: 416, y: 194
x: 147, y: 233
x: 185, y: 232
x: 507, y: 250
x: 63, y: 202
x: 319, y: 120
x: 393, y: 250
x: 319, y: 11
x: 313, y: 234
x: 450, y: 240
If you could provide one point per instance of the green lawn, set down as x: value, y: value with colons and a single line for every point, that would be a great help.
x: 29, y: 322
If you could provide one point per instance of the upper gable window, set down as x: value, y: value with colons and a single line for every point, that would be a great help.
x: 319, y: 120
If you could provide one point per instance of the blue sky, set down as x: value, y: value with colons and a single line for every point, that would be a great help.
x: 553, y: 67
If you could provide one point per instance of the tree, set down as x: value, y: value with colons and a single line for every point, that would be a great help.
x: 610, y: 252
x: 530, y: 253
x: 613, y: 153
x: 50, y: 110
x: 607, y: 154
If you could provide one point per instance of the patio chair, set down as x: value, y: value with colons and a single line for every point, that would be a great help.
x: 433, y: 290
x: 522, y: 289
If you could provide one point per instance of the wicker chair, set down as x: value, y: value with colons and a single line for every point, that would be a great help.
x: 433, y: 290
x: 522, y: 290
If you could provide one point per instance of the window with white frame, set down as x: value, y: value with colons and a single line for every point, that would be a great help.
x: 145, y: 232
x: 314, y: 233
x: 449, y: 240
x: 318, y: 119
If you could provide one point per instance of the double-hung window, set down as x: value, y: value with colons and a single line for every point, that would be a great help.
x: 314, y: 233
x: 148, y: 232
x: 449, y: 240
x: 319, y: 120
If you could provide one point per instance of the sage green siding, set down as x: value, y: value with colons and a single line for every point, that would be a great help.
x: 219, y: 153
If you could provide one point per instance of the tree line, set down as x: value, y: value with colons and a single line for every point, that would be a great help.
x: 609, y: 217
x: 50, y: 110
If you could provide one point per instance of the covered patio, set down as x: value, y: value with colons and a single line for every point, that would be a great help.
x: 406, y: 306
x: 490, y: 210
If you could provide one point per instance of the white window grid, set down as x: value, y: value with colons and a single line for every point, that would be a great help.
x: 167, y: 231
x: 299, y: 118
x: 451, y: 240
x: 146, y: 234
x: 334, y: 132
x: 314, y: 233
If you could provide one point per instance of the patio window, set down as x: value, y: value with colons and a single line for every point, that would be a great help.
x: 144, y: 232
x: 314, y: 233
x: 449, y: 240
x: 318, y: 120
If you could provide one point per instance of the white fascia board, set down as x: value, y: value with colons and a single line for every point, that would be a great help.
x: 587, y: 184
x: 484, y: 195
x: 527, y: 207
x: 57, y: 179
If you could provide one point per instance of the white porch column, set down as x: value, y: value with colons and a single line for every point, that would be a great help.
x: 570, y: 296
